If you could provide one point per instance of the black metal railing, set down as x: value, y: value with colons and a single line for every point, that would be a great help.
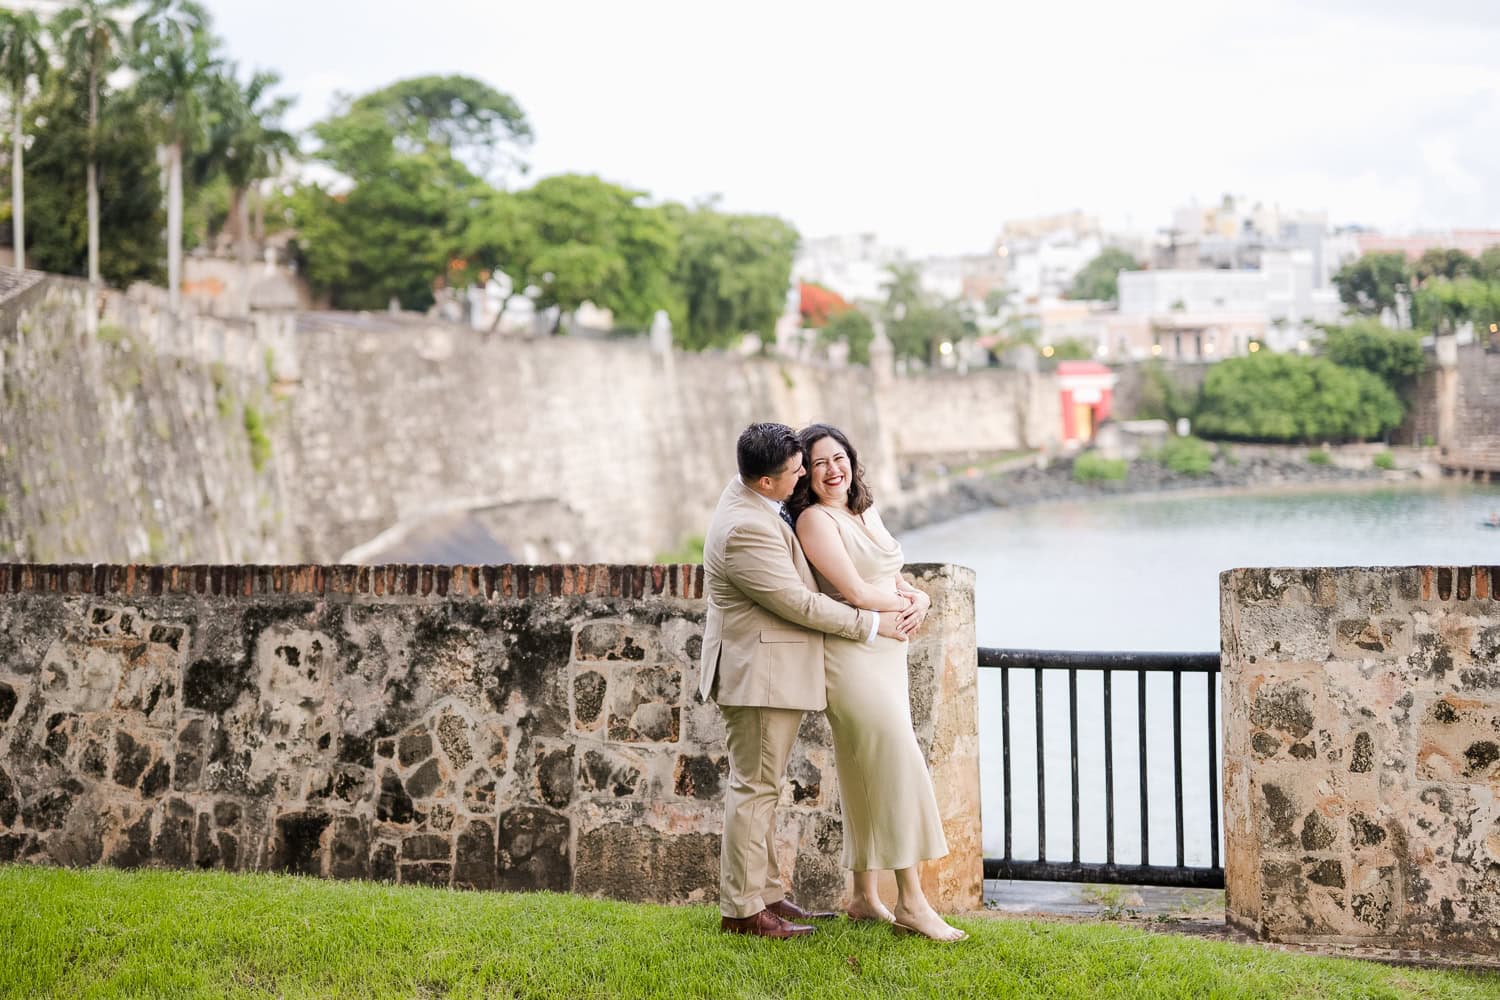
x: 1109, y: 665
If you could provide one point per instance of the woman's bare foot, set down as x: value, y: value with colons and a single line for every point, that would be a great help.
x: 927, y: 923
x: 870, y: 909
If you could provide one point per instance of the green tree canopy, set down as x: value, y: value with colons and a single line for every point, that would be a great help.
x: 1373, y: 283
x: 1442, y: 306
x: 1099, y: 279
x: 1290, y: 398
x: 465, y: 118
x: 130, y: 196
x: 732, y: 274
x: 854, y: 328
x: 1394, y: 355
x: 1444, y: 262
x: 597, y: 242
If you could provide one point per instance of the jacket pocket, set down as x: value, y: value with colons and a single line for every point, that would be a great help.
x: 782, y: 635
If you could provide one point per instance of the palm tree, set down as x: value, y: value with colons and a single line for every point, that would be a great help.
x: 174, y: 66
x: 21, y: 58
x: 247, y: 142
x: 89, y: 34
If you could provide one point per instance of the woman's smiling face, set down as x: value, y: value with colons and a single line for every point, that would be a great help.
x: 829, y: 474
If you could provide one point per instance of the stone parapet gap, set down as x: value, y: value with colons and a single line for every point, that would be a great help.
x: 481, y: 727
x: 1362, y: 756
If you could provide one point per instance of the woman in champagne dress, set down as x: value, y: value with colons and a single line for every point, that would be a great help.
x: 891, y: 820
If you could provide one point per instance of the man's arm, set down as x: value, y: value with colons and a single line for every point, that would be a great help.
x: 756, y: 561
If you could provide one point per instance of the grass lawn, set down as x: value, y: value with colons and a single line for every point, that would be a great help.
x: 103, y: 933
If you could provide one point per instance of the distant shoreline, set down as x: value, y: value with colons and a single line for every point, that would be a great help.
x: 1262, y: 471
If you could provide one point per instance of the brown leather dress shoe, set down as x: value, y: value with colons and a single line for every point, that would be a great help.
x: 788, y: 910
x: 764, y: 924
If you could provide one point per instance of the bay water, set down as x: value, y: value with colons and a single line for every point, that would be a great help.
x: 1141, y: 573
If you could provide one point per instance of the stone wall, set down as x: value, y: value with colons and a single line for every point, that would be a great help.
x: 319, y: 437
x: 511, y: 727
x: 1362, y: 756
x: 129, y: 439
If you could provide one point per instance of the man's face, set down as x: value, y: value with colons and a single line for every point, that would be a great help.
x: 782, y: 484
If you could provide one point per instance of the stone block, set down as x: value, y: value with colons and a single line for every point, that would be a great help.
x: 637, y: 861
x: 607, y: 772
x: 534, y: 850
x: 297, y: 846
x: 349, y: 848
x: 702, y: 776
x: 589, y: 689
x: 614, y: 641
x: 475, y: 865
x: 644, y: 704
x: 1356, y: 638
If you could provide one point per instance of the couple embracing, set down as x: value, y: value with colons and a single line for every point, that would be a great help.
x: 807, y: 611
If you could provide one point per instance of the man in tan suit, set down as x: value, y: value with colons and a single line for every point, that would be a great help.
x: 763, y: 664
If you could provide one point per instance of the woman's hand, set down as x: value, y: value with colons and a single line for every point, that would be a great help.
x: 916, y: 613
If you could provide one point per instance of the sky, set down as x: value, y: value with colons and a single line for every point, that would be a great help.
x: 931, y: 123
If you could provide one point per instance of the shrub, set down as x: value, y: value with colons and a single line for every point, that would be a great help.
x: 1319, y: 457
x: 1385, y: 460
x: 1287, y: 397
x: 260, y: 443
x: 1091, y: 467
x: 1187, y: 456
x: 689, y: 551
x: 1394, y: 355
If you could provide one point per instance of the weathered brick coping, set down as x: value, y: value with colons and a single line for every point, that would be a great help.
x: 1416, y: 583
x: 394, y: 581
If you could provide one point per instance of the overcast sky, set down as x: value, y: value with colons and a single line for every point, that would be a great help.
x: 932, y: 122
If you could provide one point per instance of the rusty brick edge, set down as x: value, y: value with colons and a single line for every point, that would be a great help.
x: 1430, y: 583
x: 373, y: 583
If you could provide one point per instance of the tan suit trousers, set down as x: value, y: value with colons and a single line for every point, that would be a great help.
x: 760, y: 743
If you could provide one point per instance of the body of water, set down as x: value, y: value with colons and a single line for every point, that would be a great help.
x: 1142, y: 574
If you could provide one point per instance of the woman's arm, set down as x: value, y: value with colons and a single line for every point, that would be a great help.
x: 824, y: 548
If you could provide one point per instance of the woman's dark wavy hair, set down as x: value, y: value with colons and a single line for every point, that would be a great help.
x: 860, y: 498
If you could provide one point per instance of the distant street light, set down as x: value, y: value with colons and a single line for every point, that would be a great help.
x: 1254, y: 346
x: 945, y: 348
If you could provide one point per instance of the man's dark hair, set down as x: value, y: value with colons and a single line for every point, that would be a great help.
x: 859, y: 499
x: 763, y: 449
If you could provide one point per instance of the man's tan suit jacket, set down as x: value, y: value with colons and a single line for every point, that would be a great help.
x: 766, y: 619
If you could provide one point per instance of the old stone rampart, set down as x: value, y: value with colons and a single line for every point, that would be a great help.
x: 495, y: 727
x: 1362, y: 756
x: 319, y: 437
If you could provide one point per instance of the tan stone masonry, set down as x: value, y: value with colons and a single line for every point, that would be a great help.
x: 494, y: 727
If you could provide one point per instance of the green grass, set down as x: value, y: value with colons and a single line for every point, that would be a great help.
x: 1384, y: 460
x: 102, y: 933
x: 1318, y: 457
x: 1091, y: 467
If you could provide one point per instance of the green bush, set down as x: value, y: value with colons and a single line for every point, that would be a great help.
x: 1394, y: 355
x: 260, y: 443
x: 1319, y: 457
x: 1385, y: 460
x: 1187, y: 456
x: 1290, y: 398
x: 1091, y: 467
x: 689, y: 551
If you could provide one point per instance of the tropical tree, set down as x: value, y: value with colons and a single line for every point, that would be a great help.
x: 132, y: 211
x: 732, y: 273
x: 22, y: 58
x: 245, y: 141
x: 1373, y: 283
x: 175, y: 66
x: 90, y: 36
x: 465, y: 118
x: 1099, y: 278
x: 854, y: 328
